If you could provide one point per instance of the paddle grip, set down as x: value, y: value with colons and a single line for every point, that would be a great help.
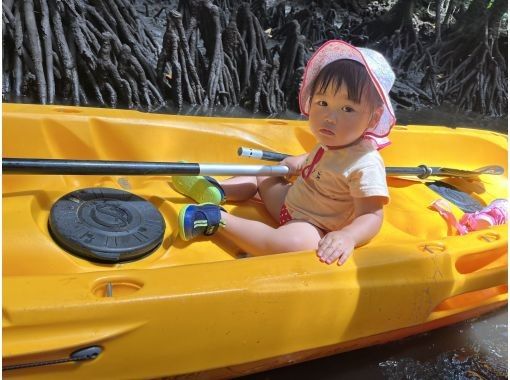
x: 261, y: 154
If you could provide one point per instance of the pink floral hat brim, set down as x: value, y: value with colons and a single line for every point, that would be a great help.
x: 379, y: 70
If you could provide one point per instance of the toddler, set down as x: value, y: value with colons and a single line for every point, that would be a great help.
x: 336, y: 203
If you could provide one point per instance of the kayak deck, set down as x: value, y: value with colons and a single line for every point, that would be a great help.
x: 81, y: 134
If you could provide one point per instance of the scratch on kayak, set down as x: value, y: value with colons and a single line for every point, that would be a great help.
x: 427, y: 299
x: 438, y: 274
x: 67, y: 280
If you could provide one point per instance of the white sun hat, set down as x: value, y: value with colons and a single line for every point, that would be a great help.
x: 380, y: 73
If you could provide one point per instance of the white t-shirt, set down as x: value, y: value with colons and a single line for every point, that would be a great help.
x: 325, y: 197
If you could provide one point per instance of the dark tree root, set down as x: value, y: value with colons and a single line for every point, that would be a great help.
x: 460, y: 64
x: 95, y: 88
x: 35, y: 49
x: 227, y: 53
x: 257, y: 64
x: 292, y: 54
x: 176, y: 68
x: 253, y: 37
x: 472, y: 76
x: 48, y: 50
x: 315, y: 27
x: 18, y: 46
x: 210, y: 30
x: 234, y: 66
x: 71, y: 86
x: 173, y: 72
x: 63, y: 59
x: 236, y: 56
x: 108, y: 73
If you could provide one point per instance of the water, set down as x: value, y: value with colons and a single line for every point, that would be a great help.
x: 474, y: 349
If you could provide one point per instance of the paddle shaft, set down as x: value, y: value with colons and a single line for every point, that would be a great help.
x: 91, y: 167
x: 88, y: 167
x: 421, y: 171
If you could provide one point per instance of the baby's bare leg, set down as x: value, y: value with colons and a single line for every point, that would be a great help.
x: 273, y: 191
x: 257, y: 238
x: 240, y: 188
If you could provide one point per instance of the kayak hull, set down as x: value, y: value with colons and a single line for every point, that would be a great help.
x: 204, y: 309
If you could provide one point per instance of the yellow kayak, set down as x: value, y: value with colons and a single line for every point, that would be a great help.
x: 203, y: 309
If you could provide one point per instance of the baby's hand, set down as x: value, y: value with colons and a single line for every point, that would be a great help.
x: 294, y: 163
x: 336, y: 245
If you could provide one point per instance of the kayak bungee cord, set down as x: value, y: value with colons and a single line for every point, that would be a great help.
x: 88, y: 353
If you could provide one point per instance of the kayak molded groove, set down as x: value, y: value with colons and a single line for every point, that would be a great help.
x: 203, y: 308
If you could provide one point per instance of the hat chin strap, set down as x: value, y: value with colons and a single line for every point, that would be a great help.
x: 346, y: 145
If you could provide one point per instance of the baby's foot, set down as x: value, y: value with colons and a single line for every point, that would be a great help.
x: 200, y: 189
x: 197, y: 220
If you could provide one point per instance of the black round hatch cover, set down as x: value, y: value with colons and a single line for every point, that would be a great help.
x: 106, y: 225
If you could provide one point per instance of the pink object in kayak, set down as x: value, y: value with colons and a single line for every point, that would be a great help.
x: 494, y: 214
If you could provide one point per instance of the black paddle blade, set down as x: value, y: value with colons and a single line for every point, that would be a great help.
x: 459, y: 198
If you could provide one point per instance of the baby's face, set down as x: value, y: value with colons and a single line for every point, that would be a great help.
x: 335, y: 120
